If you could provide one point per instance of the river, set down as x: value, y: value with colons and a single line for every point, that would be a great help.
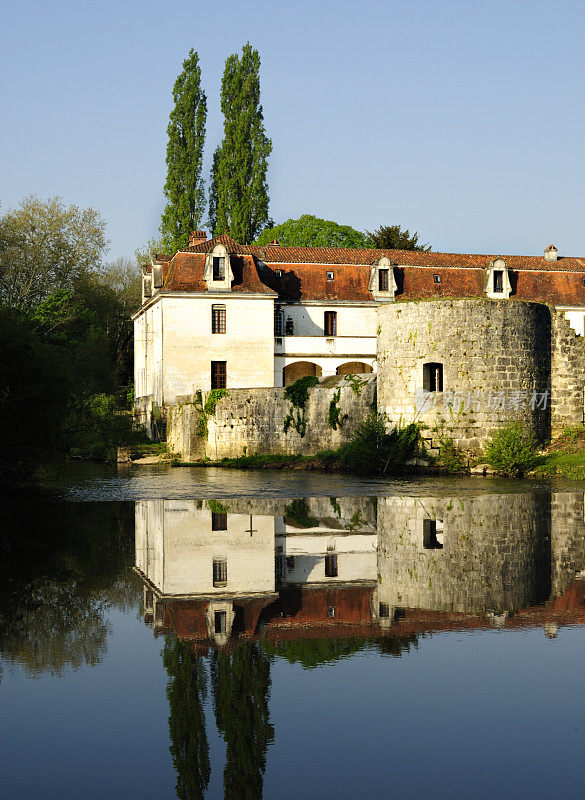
x: 214, y: 633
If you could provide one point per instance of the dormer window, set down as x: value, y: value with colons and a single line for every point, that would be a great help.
x: 279, y: 273
x: 329, y: 275
x: 437, y: 279
x: 218, y: 268
x: 498, y: 281
x: 497, y: 284
x: 382, y: 280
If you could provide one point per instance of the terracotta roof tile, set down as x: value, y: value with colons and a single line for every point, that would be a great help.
x: 186, y: 274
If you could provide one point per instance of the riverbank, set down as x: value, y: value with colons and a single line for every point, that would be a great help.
x: 564, y: 457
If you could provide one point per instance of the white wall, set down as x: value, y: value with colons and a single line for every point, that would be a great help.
x: 352, y: 320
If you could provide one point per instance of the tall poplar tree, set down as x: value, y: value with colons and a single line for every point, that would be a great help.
x: 238, y: 202
x: 184, y: 187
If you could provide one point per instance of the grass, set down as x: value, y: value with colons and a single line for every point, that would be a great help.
x: 564, y: 457
x: 325, y: 459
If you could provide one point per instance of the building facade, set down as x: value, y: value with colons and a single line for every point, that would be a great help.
x: 226, y: 315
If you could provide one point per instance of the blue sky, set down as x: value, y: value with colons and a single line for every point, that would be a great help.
x: 462, y: 120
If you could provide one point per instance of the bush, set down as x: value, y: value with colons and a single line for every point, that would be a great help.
x: 512, y: 451
x: 376, y: 450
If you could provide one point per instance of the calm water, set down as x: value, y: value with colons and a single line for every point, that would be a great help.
x: 209, y: 633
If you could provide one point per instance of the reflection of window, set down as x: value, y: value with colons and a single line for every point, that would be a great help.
x: 498, y: 280
x: 384, y: 610
x: 383, y: 280
x: 218, y: 521
x: 290, y: 562
x: 220, y: 620
x: 218, y: 268
x: 218, y: 374
x: 330, y: 323
x: 279, y: 565
x: 219, y: 571
x: 331, y: 565
x: 218, y: 319
x: 433, y: 377
x: 433, y: 534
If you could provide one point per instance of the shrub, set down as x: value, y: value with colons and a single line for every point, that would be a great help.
x: 512, y: 450
x: 376, y: 450
x: 298, y: 392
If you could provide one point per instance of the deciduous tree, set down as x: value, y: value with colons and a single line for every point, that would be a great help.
x: 184, y: 187
x: 310, y: 231
x: 239, y: 190
x: 392, y: 237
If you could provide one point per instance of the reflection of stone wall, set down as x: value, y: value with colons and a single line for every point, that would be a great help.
x: 567, y: 538
x: 495, y: 554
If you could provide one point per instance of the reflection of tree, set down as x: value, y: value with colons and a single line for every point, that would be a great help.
x: 241, y: 688
x: 62, y: 565
x: 186, y: 690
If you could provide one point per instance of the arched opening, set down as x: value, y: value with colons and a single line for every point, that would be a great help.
x: 354, y: 368
x: 433, y: 377
x: 300, y: 369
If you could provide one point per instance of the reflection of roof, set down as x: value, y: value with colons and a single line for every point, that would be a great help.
x: 304, y: 613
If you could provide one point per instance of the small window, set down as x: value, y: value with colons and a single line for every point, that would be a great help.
x: 218, y: 319
x: 437, y: 279
x: 218, y: 521
x: 329, y: 275
x: 218, y: 268
x: 220, y: 621
x: 278, y: 322
x: 330, y: 323
x: 384, y: 611
x: 433, y: 377
x: 219, y: 571
x: 278, y: 273
x: 498, y: 281
x: 218, y: 374
x: 383, y: 280
x: 433, y: 534
x: 289, y: 327
x: 583, y: 281
x: 331, y: 611
x: 331, y: 565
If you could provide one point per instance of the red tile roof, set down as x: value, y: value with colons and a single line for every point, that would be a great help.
x: 304, y: 273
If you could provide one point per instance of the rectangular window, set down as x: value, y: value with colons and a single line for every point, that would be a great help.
x: 433, y: 377
x: 218, y: 268
x: 218, y: 521
x: 437, y: 278
x: 329, y: 275
x: 331, y: 323
x: 220, y: 621
x: 498, y: 281
x: 218, y: 374
x: 384, y: 611
x: 218, y: 319
x: 331, y: 565
x: 383, y: 280
x: 278, y: 322
x: 433, y: 534
x: 219, y: 571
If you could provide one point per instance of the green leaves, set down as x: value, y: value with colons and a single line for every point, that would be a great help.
x: 310, y: 231
x: 238, y: 202
x: 392, y: 237
x: 184, y: 187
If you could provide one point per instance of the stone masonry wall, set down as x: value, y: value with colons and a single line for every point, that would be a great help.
x: 567, y: 375
x: 495, y: 355
x: 252, y: 421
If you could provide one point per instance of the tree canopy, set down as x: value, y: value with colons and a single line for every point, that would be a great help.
x: 310, y: 231
x: 184, y: 187
x: 392, y: 237
x: 238, y: 202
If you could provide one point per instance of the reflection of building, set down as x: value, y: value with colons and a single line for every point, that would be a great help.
x: 343, y: 567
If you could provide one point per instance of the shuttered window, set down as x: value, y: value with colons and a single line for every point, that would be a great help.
x: 218, y: 319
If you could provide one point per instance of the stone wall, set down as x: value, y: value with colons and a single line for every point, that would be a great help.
x: 252, y: 421
x: 494, y: 354
x: 567, y: 375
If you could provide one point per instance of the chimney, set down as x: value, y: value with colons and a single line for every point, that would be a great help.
x: 197, y: 237
x: 550, y: 253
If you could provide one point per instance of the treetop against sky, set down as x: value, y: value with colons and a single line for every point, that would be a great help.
x: 460, y: 120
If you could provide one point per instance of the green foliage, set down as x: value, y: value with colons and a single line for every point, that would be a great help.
x: 310, y: 231
x: 376, y: 450
x: 239, y: 191
x: 186, y: 692
x: 356, y: 383
x: 98, y: 427
x: 313, y: 653
x: 392, y: 237
x: 450, y: 458
x: 512, y: 450
x: 335, y: 418
x: 297, y: 513
x: 216, y: 507
x: 298, y: 392
x: 46, y: 246
x: 184, y: 187
x: 213, y: 399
